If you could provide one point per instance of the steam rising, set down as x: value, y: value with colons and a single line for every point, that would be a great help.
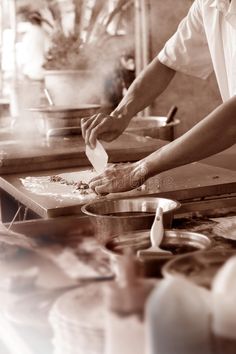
x: 89, y: 86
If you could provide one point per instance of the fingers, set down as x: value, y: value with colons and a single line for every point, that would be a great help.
x: 103, y: 186
x: 85, y: 122
x: 115, y: 179
x: 103, y: 183
x: 99, y: 185
x: 94, y: 131
x: 95, y: 180
x: 104, y: 189
x: 99, y: 126
x: 110, y: 184
x: 92, y: 127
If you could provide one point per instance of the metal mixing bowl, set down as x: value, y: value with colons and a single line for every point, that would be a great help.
x: 176, y: 241
x: 54, y: 117
x: 116, y: 216
x: 153, y: 126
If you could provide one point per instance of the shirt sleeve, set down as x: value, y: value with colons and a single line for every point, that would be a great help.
x: 187, y: 50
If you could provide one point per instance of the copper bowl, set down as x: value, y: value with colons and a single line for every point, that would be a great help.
x: 177, y: 241
x: 116, y: 216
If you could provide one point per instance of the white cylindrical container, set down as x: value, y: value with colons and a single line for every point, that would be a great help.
x: 224, y: 309
x: 125, y: 300
x: 178, y: 318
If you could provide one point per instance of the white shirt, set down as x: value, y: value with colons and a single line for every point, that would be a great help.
x: 205, y: 41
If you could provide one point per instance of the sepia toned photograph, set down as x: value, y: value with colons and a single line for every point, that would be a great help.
x: 117, y: 176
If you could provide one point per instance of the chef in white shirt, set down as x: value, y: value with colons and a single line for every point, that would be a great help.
x: 204, y: 41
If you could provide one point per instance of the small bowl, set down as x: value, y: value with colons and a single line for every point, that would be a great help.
x: 200, y: 267
x: 153, y: 126
x: 176, y: 241
x: 116, y: 216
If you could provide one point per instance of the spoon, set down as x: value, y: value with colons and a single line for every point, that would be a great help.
x: 156, y: 236
x: 170, y: 116
x: 48, y: 96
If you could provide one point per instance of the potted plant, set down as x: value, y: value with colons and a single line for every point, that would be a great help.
x: 80, y: 62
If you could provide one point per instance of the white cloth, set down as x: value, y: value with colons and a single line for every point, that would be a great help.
x: 224, y: 294
x: 177, y: 318
x: 206, y: 41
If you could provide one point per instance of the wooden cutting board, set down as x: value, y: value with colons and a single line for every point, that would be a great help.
x: 191, y: 181
x: 61, y: 152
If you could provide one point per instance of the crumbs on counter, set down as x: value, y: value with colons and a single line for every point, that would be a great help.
x: 80, y: 186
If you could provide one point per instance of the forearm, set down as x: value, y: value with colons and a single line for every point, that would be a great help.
x: 213, y: 134
x: 145, y: 88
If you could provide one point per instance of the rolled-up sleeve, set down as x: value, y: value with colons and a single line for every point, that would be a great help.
x: 187, y: 50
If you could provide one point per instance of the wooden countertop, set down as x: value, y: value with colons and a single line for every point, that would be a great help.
x: 38, y: 156
x: 225, y: 159
x: 191, y: 181
x: 38, y: 153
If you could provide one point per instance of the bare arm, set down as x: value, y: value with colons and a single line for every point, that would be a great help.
x: 146, y: 87
x: 213, y: 134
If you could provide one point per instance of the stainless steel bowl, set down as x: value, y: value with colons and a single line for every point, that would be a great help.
x: 153, y: 126
x: 116, y: 216
x: 59, y: 117
x: 200, y: 267
x: 176, y: 241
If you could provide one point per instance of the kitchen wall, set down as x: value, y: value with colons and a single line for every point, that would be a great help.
x: 195, y: 98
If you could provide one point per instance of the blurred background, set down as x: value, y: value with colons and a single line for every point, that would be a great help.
x: 60, y: 61
x: 109, y: 41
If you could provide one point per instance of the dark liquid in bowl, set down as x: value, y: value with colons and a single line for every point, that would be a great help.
x: 174, y: 249
x: 179, y: 249
x: 130, y: 213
